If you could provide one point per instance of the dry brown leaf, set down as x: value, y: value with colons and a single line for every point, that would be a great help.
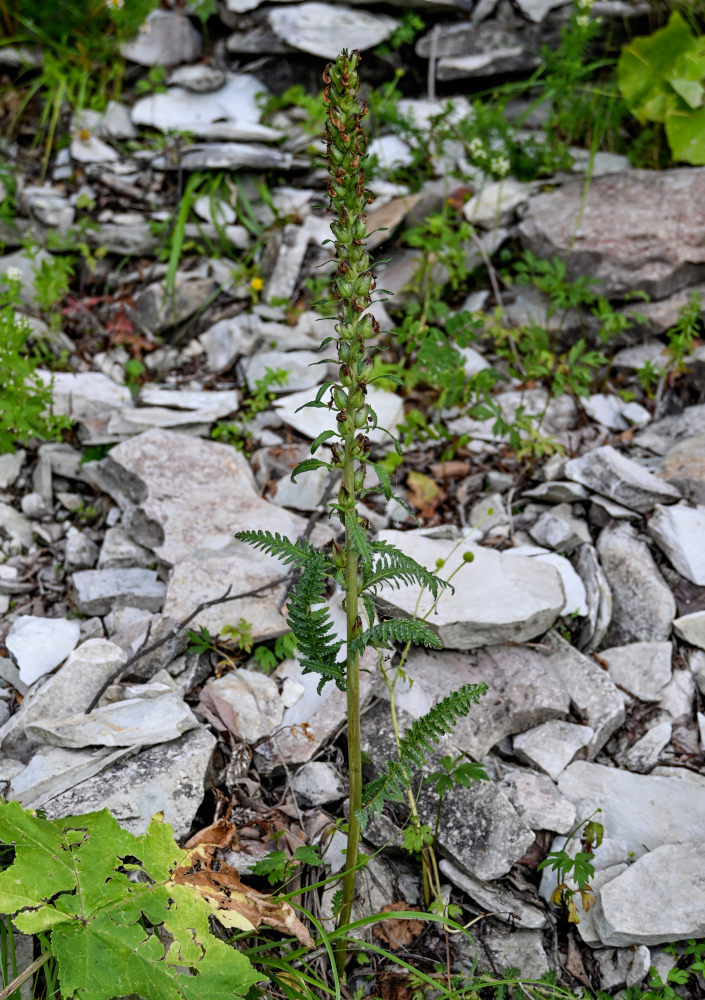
x: 574, y: 963
x: 398, y: 933
x: 452, y: 469
x: 233, y: 903
x: 222, y: 833
x: 424, y: 494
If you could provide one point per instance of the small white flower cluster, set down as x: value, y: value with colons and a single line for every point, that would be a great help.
x: 499, y: 165
x: 13, y: 274
x: 115, y: 4
x: 583, y: 18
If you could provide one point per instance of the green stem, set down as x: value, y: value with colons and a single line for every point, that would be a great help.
x: 353, y: 706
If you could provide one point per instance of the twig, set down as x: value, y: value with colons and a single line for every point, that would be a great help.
x: 175, y: 631
x: 490, y: 269
x: 24, y: 976
x: 432, y: 56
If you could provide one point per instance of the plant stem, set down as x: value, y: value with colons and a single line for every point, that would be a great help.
x: 352, y: 286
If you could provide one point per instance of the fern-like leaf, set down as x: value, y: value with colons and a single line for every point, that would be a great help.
x: 396, y: 630
x: 357, y: 537
x: 394, y: 567
x: 414, y: 748
x: 313, y: 627
x: 297, y: 553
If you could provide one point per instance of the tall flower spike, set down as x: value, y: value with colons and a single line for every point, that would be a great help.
x: 352, y: 287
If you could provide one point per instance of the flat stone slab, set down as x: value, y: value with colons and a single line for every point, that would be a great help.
x: 663, y: 435
x: 657, y: 900
x: 615, y: 223
x: 167, y: 39
x: 83, y: 395
x: 256, y: 707
x: 593, y: 695
x: 146, y: 476
x: 537, y: 800
x: 642, y: 668
x: 523, y: 691
x: 643, y: 607
x: 613, y: 475
x: 494, y: 898
x: 497, y: 598
x: 71, y: 689
x: 206, y: 577
x: 132, y: 722
x: 679, y: 532
x: 645, y: 810
x: 494, y: 839
x: 553, y: 745
x: 98, y: 591
x: 229, y: 112
x: 691, y: 628
x: 323, y: 30
x: 684, y: 464
x: 167, y: 778
x: 39, y: 645
x: 53, y: 770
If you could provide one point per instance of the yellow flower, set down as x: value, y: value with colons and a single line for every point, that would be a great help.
x: 256, y: 284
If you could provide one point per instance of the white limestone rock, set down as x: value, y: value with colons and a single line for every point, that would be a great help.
x: 553, y: 745
x: 39, y: 645
x: 310, y: 422
x: 318, y: 783
x: 145, y: 475
x: 83, y: 395
x: 645, y: 810
x: 497, y: 597
x: 643, y: 607
x: 229, y: 113
x: 166, y: 778
x: 679, y: 532
x: 324, y: 30
x: 643, y: 755
x: 132, y: 722
x: 98, y: 591
x: 494, y: 898
x: 691, y: 628
x: 537, y: 800
x: 166, y: 38
x: 642, y: 668
x: 253, y: 699
x: 659, y: 899
x: 608, y: 472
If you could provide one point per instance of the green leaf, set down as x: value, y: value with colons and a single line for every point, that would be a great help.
x: 313, y: 627
x: 323, y: 436
x: 308, y: 855
x: 645, y: 65
x: 288, y: 552
x: 691, y: 91
x: 357, y: 537
x: 396, y: 568
x: 396, y: 630
x: 415, y: 746
x: 72, y: 876
x: 685, y: 131
x: 384, y: 480
x: 274, y: 866
x: 308, y: 465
